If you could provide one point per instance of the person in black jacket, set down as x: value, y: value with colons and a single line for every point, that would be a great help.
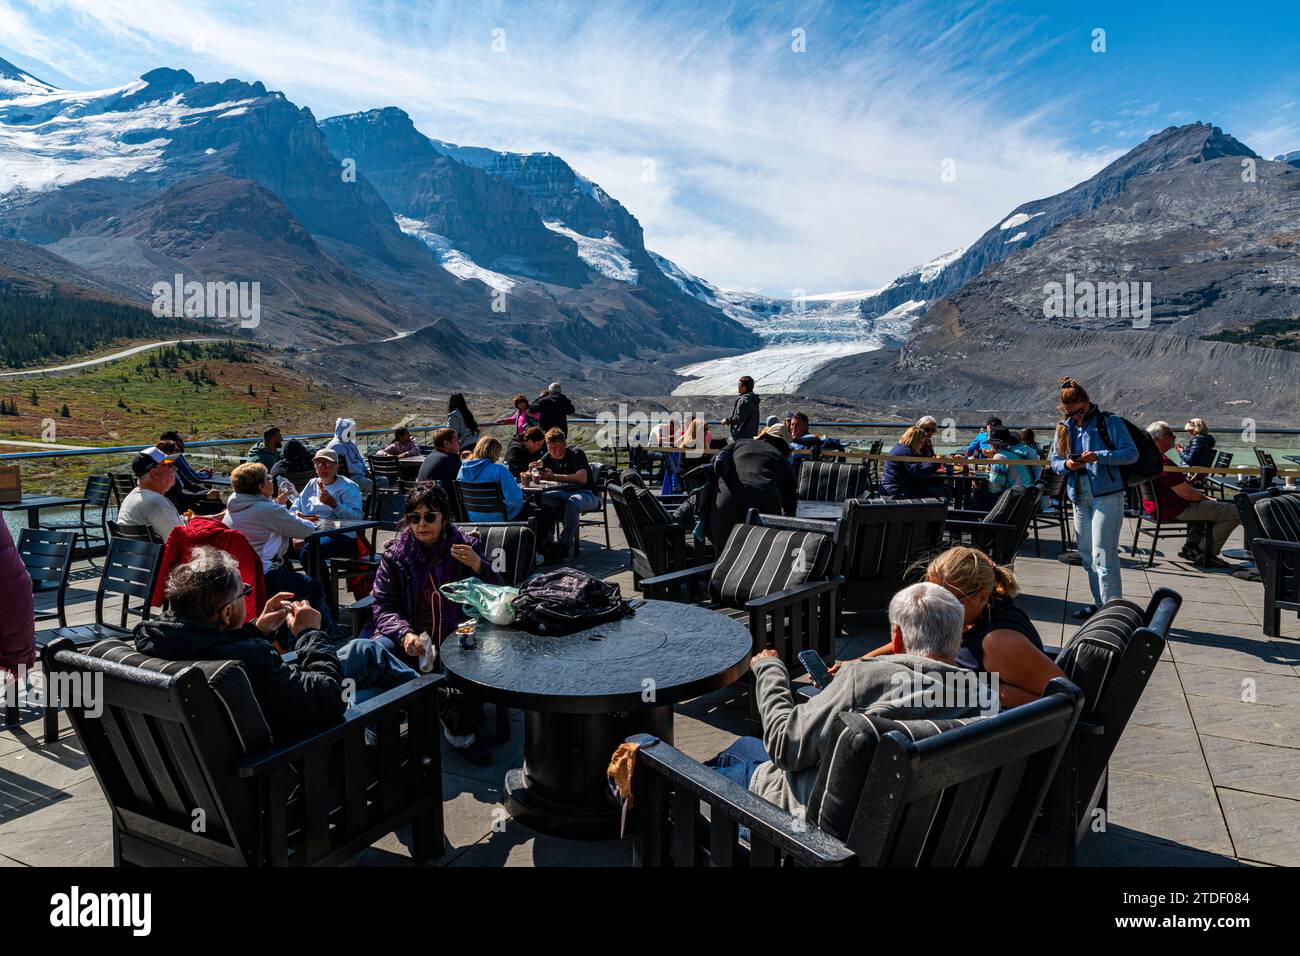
x: 524, y: 449
x: 443, y: 463
x: 743, y: 419
x: 204, y: 621
x: 553, y: 408
x: 752, y: 473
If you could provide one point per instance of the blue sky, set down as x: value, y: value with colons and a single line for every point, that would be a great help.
x: 749, y: 162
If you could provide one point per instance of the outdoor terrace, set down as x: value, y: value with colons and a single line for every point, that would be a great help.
x: 1207, y: 772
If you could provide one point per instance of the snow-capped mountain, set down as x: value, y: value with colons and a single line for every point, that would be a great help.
x: 229, y: 181
x: 1291, y: 159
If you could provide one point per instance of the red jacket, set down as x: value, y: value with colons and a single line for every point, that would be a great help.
x: 204, y: 531
x: 17, y: 624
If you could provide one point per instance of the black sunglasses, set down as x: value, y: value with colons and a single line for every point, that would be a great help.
x: 423, y: 517
x: 244, y: 592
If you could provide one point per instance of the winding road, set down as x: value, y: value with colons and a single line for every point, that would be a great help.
x: 102, y: 359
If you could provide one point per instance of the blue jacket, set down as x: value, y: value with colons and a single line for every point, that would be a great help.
x: 1104, y: 472
x: 482, y: 470
x: 350, y: 458
x: 908, y: 479
x: 1003, y: 475
x: 978, y: 444
x: 1199, y: 452
x: 345, y: 493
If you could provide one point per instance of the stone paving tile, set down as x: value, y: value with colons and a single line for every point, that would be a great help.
x: 1233, y: 653
x: 519, y: 846
x: 1228, y: 684
x: 1263, y: 828
x: 1174, y: 811
x: 1253, y: 767
x: 1275, y: 725
x: 1162, y: 710
x: 1114, y: 849
x: 34, y: 775
x: 1175, y: 754
x: 73, y: 828
x: 470, y: 809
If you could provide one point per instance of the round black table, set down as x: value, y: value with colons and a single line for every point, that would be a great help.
x: 583, y: 694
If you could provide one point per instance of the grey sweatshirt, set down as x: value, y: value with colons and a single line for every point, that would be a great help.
x: 797, y: 737
x: 269, y: 527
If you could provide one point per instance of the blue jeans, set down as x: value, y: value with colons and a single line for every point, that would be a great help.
x: 372, y: 668
x: 1097, y: 523
x: 573, y: 503
x: 739, y: 761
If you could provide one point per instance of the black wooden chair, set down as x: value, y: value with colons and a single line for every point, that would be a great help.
x: 188, y: 765
x: 831, y: 481
x: 123, y: 485
x: 1111, y: 658
x: 47, y: 555
x: 1056, y: 512
x: 882, y: 540
x: 388, y: 507
x: 130, y: 572
x: 1160, y: 527
x: 780, y: 574
x: 1223, y: 460
x: 386, y: 467
x: 1000, y: 531
x: 602, y: 475
x: 873, y: 467
x: 483, y: 497
x: 133, y: 532
x: 91, y: 524
x: 888, y: 793
x: 656, y: 543
x: 1270, y: 520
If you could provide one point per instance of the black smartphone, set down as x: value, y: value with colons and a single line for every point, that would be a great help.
x: 816, y: 668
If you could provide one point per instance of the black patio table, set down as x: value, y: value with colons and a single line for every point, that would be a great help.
x: 820, y: 510
x: 33, y: 505
x: 583, y: 694
x: 329, y: 526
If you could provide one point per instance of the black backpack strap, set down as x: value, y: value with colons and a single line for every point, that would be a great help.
x: 1103, y: 429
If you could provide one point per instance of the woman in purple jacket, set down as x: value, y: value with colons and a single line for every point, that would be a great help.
x: 426, y: 554
x: 17, y: 620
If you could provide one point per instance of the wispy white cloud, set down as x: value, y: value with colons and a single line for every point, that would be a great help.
x: 772, y: 169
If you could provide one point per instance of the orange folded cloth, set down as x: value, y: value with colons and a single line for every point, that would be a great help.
x: 621, y: 767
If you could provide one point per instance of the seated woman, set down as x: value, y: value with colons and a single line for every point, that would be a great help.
x: 1005, y: 451
x: 1199, y: 452
x: 913, y: 479
x: 482, y: 466
x: 261, y: 516
x: 402, y: 446
x: 426, y: 554
x: 997, y: 637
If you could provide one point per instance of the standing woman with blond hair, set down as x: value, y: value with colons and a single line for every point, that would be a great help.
x: 1090, y: 446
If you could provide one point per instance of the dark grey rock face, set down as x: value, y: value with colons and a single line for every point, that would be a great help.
x: 1207, y: 243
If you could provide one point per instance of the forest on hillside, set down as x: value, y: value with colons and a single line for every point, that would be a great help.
x: 37, y: 328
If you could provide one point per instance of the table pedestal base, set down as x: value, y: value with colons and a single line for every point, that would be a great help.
x: 561, y: 789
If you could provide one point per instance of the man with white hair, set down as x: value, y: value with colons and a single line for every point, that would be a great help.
x: 1180, y: 501
x: 553, y: 409
x: 925, y: 624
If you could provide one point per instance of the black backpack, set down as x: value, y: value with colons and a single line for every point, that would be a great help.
x: 565, y: 600
x: 1149, y: 463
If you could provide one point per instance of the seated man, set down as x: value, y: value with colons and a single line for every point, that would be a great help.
x: 268, y: 451
x: 330, y: 495
x: 443, y: 463
x: 523, y: 448
x: 205, y: 621
x: 1180, y: 501
x: 147, y: 504
x: 801, y: 435
x: 980, y: 443
x: 926, y: 625
x: 196, y: 499
x: 569, y: 467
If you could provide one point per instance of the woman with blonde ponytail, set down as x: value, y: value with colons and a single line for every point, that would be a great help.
x: 1089, y: 448
x: 997, y: 637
